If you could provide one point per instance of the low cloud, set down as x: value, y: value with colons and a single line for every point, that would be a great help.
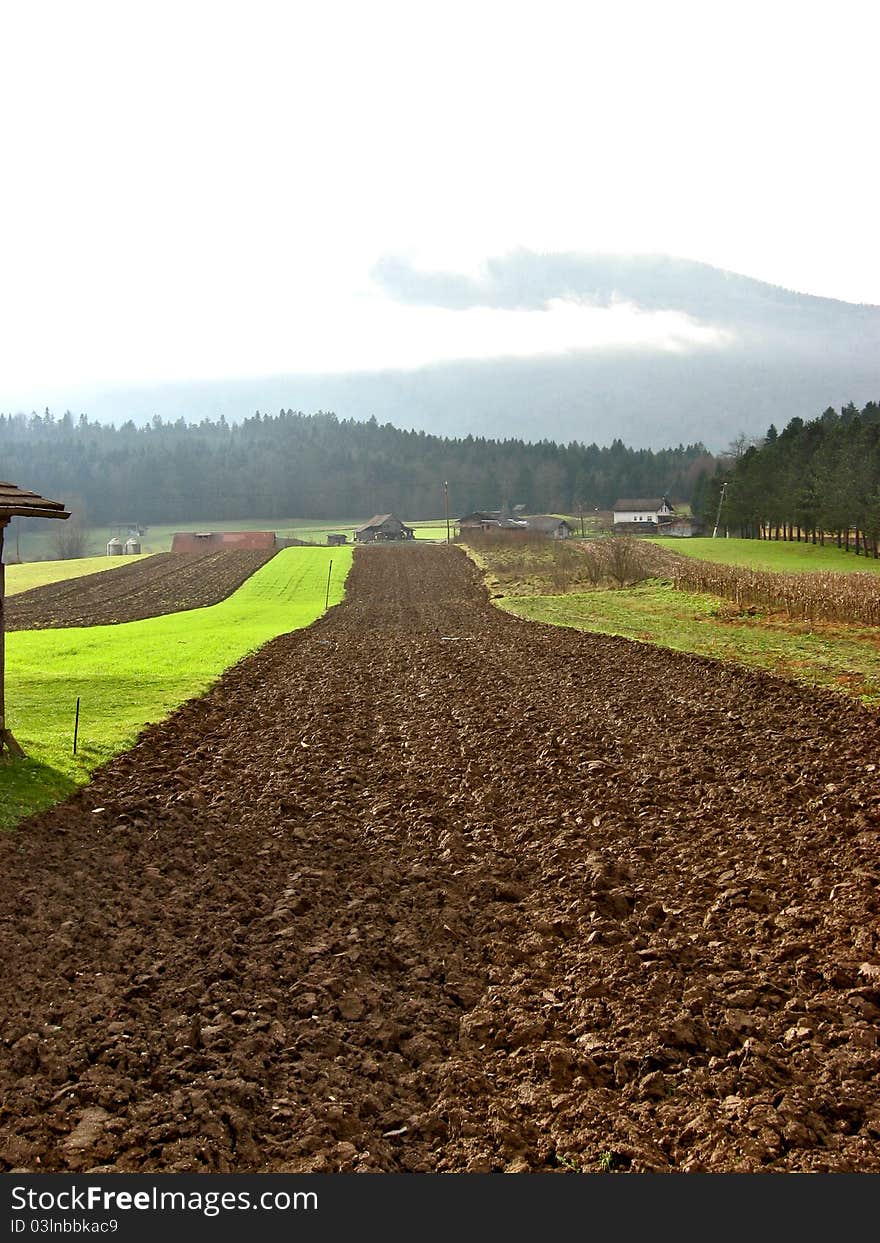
x: 527, y: 280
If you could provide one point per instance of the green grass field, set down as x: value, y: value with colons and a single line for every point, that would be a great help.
x: 40, y: 573
x: 37, y: 545
x: 842, y: 658
x: 135, y: 673
x: 779, y: 556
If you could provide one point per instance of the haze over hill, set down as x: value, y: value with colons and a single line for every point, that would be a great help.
x: 651, y: 349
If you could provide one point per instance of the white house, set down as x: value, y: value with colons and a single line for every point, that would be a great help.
x: 654, y: 511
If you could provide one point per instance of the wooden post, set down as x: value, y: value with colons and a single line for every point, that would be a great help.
x: 327, y: 596
x: 3, y: 522
x: 14, y: 502
x: 8, y: 745
x: 446, y: 494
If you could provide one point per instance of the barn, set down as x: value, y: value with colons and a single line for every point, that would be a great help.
x: 216, y: 541
x: 549, y: 525
x: 382, y: 528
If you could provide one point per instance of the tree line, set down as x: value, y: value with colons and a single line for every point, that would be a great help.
x: 318, y: 466
x: 812, y: 481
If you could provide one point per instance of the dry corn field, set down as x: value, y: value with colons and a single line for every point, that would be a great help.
x: 555, y: 567
x: 823, y: 596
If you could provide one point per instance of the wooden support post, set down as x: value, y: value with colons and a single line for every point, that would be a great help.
x: 8, y: 745
x: 2, y: 641
x: 327, y: 596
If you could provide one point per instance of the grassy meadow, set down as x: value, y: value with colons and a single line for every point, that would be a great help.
x: 134, y: 673
x: 781, y: 557
x: 40, y: 573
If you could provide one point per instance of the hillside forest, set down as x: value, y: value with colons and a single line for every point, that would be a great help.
x: 319, y: 466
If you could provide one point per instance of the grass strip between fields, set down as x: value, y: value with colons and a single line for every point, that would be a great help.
x: 842, y: 658
x: 135, y: 673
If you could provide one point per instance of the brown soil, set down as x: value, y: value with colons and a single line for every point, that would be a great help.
x: 426, y: 887
x: 164, y: 583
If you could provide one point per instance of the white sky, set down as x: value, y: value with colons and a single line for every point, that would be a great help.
x: 192, y: 190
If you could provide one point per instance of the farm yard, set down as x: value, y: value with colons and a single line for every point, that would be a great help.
x: 426, y: 887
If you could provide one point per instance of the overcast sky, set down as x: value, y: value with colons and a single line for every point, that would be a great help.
x: 198, y: 190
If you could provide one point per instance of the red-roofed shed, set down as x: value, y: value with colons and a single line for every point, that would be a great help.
x: 215, y: 541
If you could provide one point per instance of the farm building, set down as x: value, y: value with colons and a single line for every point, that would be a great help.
x: 496, y: 519
x: 335, y: 540
x: 490, y: 520
x: 382, y: 528
x: 548, y: 524
x: 682, y: 528
x: 215, y: 541
x: 642, y: 514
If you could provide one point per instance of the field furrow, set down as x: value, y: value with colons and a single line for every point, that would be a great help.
x: 148, y: 587
x: 429, y: 887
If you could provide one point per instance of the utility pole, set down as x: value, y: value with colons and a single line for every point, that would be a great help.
x: 446, y: 494
x: 720, y: 503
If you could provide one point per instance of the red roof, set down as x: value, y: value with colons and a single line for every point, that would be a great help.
x: 212, y: 541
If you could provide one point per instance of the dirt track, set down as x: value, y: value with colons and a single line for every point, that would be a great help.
x: 426, y: 887
x: 164, y: 583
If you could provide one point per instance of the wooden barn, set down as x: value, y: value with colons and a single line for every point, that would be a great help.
x: 383, y: 528
x: 549, y: 525
x: 215, y: 541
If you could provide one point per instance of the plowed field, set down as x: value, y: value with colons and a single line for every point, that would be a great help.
x: 426, y: 887
x: 165, y: 583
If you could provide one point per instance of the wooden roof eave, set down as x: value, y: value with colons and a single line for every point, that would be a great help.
x: 30, y: 511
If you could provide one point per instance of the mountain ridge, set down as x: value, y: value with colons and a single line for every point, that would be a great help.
x: 783, y: 354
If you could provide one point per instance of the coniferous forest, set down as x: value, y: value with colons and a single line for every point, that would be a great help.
x: 812, y: 481
x: 318, y: 466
